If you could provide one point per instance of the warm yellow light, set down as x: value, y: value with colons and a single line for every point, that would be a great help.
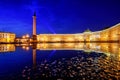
x: 8, y: 39
x: 40, y: 39
x: 23, y: 36
x: 69, y: 39
x: 119, y: 54
x: 56, y: 39
x: 23, y: 47
x: 27, y: 48
x: 80, y: 37
x: 79, y: 45
x: 27, y: 35
x: 44, y: 45
x: 56, y: 44
x: 70, y: 45
x: 45, y: 38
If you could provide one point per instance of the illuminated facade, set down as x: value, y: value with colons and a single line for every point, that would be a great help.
x: 7, y: 47
x: 56, y: 38
x: 7, y: 37
x: 108, y: 35
x: 24, y: 39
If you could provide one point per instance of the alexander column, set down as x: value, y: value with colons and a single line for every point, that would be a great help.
x: 34, y: 27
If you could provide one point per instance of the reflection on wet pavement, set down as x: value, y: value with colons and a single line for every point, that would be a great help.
x: 100, y: 61
x: 87, y: 68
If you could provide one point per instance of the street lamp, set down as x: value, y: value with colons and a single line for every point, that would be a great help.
x: 27, y: 36
x: 23, y: 36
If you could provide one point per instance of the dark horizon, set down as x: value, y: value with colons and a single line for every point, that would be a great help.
x: 58, y: 16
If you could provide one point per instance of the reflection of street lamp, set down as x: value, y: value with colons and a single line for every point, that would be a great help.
x: 27, y: 48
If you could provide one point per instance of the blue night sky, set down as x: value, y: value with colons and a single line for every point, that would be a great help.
x: 58, y: 16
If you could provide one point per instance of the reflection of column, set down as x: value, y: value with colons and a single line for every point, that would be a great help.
x: 34, y: 58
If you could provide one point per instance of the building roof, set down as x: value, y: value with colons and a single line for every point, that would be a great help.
x: 88, y: 30
x: 7, y: 32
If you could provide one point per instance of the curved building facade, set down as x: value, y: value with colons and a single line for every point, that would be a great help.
x: 111, y: 34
